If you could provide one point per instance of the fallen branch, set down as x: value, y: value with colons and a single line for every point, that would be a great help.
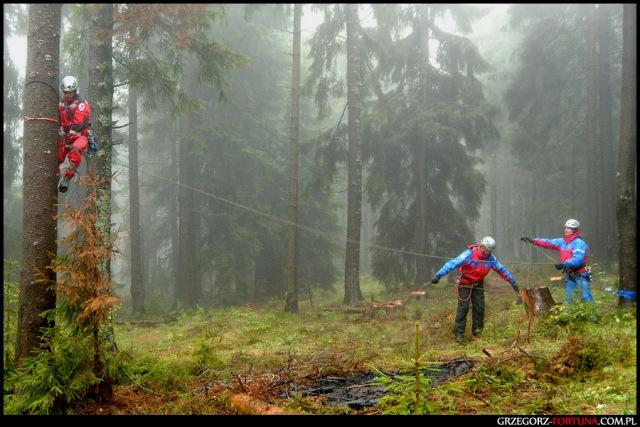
x: 473, y: 395
x: 140, y: 385
x: 530, y: 355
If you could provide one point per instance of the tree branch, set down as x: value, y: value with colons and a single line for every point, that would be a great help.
x: 120, y: 62
x: 121, y: 126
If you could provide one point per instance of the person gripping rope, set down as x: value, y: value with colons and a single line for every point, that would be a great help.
x: 75, y: 121
x: 573, y: 259
x: 474, y: 263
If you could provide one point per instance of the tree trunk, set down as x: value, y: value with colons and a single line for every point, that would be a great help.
x: 137, y: 282
x: 186, y: 232
x: 626, y: 182
x: 421, y: 215
x: 242, y: 273
x: 352, y: 293
x: 508, y: 243
x: 366, y: 232
x: 101, y: 99
x: 591, y: 140
x: 422, y: 265
x: 493, y: 200
x: 606, y: 192
x: 39, y: 176
x: 292, y: 252
x: 173, y: 215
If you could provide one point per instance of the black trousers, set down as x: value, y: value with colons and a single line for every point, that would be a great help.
x: 477, y: 312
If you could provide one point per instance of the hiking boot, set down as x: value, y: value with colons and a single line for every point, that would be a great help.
x: 477, y: 332
x: 459, y: 339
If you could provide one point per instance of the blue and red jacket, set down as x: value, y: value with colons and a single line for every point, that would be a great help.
x: 573, y: 250
x: 474, y: 266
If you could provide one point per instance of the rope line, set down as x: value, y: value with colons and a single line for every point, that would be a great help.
x: 49, y: 119
x: 329, y: 236
x: 42, y: 81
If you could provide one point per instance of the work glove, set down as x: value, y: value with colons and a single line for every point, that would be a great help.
x: 515, y: 287
x: 435, y: 280
x: 526, y: 239
x: 559, y: 266
x: 61, y: 131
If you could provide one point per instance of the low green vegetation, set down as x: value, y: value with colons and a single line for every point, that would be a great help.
x: 578, y: 360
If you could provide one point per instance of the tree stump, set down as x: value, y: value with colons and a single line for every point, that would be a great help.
x: 537, y: 300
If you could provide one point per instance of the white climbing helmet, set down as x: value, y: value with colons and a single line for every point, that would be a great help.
x: 68, y: 84
x: 488, y: 243
x: 572, y: 223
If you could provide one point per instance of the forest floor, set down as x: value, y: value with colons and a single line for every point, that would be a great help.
x: 202, y: 359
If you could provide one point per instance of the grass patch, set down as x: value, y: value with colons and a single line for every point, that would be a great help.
x: 185, y: 366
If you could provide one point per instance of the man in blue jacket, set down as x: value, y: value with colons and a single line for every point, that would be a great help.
x: 573, y: 258
x: 475, y: 263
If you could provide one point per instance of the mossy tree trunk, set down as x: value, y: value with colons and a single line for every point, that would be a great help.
x: 292, y: 253
x: 352, y: 290
x: 101, y: 99
x: 39, y: 175
x: 627, y: 163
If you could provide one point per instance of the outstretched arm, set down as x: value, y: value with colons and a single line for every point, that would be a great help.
x: 453, y: 264
x: 503, y: 272
x: 547, y: 243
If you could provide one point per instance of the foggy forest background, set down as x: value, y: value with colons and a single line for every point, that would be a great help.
x: 511, y: 127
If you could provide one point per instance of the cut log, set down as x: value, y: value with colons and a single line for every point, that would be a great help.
x: 537, y: 300
x: 388, y: 307
x: 346, y: 309
x: 420, y: 296
x: 247, y: 405
x: 371, y: 309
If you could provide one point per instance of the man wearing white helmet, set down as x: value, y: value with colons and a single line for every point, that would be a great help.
x: 475, y: 263
x: 573, y: 258
x: 75, y: 118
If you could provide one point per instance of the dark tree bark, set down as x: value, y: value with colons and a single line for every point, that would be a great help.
x: 422, y: 264
x: 493, y: 201
x: 626, y: 182
x: 352, y: 293
x: 292, y: 253
x: 186, y: 232
x: 39, y: 175
x: 173, y: 215
x: 591, y: 140
x: 606, y: 192
x: 101, y: 99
